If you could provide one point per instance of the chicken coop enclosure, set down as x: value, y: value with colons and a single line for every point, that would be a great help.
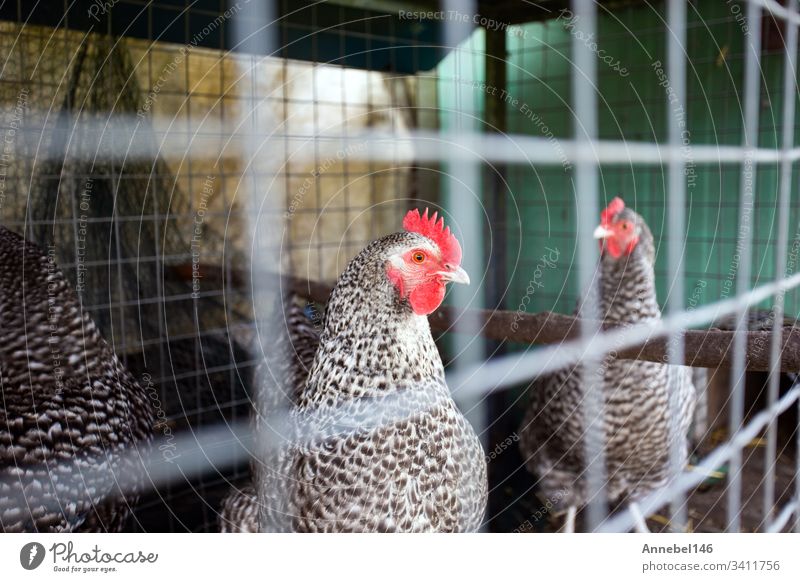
x: 187, y: 162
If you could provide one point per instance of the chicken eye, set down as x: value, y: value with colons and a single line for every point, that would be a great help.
x: 418, y: 257
x: 624, y: 226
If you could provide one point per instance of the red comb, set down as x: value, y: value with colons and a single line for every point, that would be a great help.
x: 434, y: 229
x: 615, y: 207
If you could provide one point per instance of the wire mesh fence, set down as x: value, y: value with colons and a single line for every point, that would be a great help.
x: 190, y: 162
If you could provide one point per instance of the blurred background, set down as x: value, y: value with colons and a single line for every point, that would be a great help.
x: 140, y: 135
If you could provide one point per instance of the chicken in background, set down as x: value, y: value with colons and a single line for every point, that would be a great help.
x: 280, y: 379
x: 73, y: 420
x: 755, y: 385
x: 636, y: 417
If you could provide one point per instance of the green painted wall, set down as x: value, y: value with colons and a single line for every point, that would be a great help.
x: 542, y: 203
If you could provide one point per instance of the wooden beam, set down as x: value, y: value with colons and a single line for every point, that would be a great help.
x: 704, y: 348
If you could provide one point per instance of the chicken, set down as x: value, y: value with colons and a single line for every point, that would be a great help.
x: 73, y: 420
x: 380, y: 444
x: 293, y: 346
x: 636, y: 418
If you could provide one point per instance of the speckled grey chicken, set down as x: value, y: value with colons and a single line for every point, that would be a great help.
x: 380, y: 444
x: 288, y: 355
x: 72, y: 418
x: 636, y: 422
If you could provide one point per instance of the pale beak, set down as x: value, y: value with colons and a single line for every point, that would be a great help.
x: 455, y: 275
x: 602, y: 232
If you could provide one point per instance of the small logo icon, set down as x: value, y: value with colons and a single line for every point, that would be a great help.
x: 31, y: 555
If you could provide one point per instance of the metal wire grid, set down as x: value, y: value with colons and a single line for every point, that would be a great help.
x: 588, y: 152
x: 197, y: 392
x: 519, y: 368
x: 633, y: 110
x: 149, y: 321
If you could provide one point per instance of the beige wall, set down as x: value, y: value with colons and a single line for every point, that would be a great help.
x: 334, y: 213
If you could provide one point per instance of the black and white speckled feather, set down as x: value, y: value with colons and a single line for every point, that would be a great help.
x: 636, y: 420
x: 70, y: 411
x: 422, y: 467
x: 288, y: 356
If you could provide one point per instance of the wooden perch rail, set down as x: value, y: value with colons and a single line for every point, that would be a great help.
x: 710, y: 348
x: 703, y: 348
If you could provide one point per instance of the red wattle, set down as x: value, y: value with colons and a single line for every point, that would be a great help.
x: 616, y: 250
x: 632, y: 245
x: 613, y: 247
x: 425, y: 298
